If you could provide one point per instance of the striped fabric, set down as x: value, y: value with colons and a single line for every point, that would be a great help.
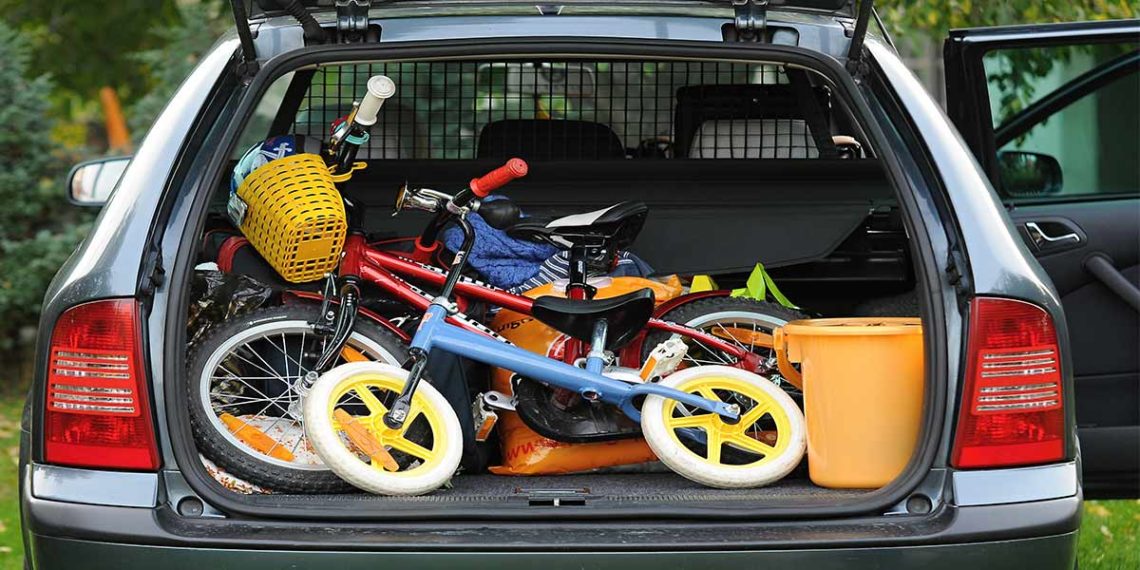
x: 557, y: 267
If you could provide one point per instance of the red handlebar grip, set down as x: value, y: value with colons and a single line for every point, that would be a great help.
x: 495, y: 179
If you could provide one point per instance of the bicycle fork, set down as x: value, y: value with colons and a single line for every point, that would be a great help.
x: 341, y: 325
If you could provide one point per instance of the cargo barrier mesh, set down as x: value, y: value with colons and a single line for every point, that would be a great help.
x: 579, y: 110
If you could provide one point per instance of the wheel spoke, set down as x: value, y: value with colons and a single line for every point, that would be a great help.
x: 266, y: 362
x: 411, y: 448
x: 301, y: 356
x: 297, y: 443
x: 711, y: 352
x: 240, y: 399
x: 750, y: 444
x: 771, y: 335
x: 288, y: 359
x: 713, y: 442
x: 276, y: 441
x: 375, y: 407
x: 700, y: 362
x: 272, y: 402
x: 708, y: 393
x: 746, y: 339
x: 698, y: 421
x: 234, y: 353
x: 413, y: 413
x: 729, y: 335
x: 231, y: 376
x: 273, y: 374
x: 752, y: 416
x: 242, y: 380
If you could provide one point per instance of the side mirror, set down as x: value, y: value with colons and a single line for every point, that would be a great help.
x: 91, y: 182
x: 1027, y: 174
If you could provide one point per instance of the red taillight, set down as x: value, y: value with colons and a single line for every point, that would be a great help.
x: 97, y: 411
x: 1012, y: 402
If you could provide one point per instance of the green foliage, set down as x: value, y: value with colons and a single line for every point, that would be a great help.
x: 38, y: 230
x: 917, y: 20
x: 934, y: 18
x: 81, y: 43
x: 179, y: 46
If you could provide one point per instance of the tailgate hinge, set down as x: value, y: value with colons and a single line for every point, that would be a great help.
x: 152, y: 275
x: 751, y: 19
x: 856, y: 65
x: 958, y: 274
x: 247, y: 65
x: 352, y: 20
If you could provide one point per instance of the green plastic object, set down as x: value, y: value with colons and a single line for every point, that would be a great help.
x: 759, y: 285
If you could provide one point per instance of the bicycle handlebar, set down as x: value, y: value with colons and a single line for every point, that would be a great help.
x: 380, y: 88
x: 514, y: 168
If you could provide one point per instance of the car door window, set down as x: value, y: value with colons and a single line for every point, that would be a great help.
x: 1066, y: 120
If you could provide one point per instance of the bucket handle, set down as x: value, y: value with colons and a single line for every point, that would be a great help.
x: 789, y: 372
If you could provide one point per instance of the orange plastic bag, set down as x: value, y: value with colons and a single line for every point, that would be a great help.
x: 525, y: 452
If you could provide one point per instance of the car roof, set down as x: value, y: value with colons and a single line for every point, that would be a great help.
x: 262, y: 8
x: 441, y: 20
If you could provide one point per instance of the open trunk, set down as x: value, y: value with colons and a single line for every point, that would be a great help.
x: 718, y: 142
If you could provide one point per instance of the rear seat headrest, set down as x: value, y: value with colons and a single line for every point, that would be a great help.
x: 753, y: 138
x: 541, y: 139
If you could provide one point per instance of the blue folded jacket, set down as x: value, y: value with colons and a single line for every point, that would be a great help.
x: 502, y: 260
x: 519, y: 265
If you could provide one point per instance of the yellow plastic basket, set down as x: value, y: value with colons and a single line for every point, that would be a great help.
x: 294, y: 216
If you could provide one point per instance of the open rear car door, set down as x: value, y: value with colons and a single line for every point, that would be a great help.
x: 1053, y: 114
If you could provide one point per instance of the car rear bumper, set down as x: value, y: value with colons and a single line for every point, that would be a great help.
x: 60, y: 534
x: 1058, y: 551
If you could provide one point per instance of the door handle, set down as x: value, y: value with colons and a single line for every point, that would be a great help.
x: 1042, y: 239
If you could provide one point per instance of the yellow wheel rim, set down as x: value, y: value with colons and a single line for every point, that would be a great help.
x: 414, y: 447
x: 762, y: 434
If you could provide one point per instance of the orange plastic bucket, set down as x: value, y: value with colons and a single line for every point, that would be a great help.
x: 863, y: 387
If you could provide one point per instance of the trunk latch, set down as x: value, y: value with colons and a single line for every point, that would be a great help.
x: 554, y: 497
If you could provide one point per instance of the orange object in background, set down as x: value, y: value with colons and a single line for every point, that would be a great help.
x: 118, y: 135
x: 863, y: 384
x: 525, y: 452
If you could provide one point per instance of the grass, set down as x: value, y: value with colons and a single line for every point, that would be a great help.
x: 1108, y: 535
x: 11, y: 545
x: 1108, y: 532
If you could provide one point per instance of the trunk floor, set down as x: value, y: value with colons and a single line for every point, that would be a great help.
x: 619, y: 489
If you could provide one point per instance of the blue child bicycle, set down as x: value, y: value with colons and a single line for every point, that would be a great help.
x: 384, y: 430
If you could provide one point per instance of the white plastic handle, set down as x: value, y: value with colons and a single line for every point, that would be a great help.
x: 380, y: 88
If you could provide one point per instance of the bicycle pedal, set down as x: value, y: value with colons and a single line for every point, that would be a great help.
x: 664, y: 359
x: 483, y: 411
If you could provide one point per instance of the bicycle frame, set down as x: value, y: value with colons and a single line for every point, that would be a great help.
x: 435, y: 332
x: 388, y: 271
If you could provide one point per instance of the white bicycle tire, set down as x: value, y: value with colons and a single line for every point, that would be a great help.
x: 345, y: 463
x: 689, y: 465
